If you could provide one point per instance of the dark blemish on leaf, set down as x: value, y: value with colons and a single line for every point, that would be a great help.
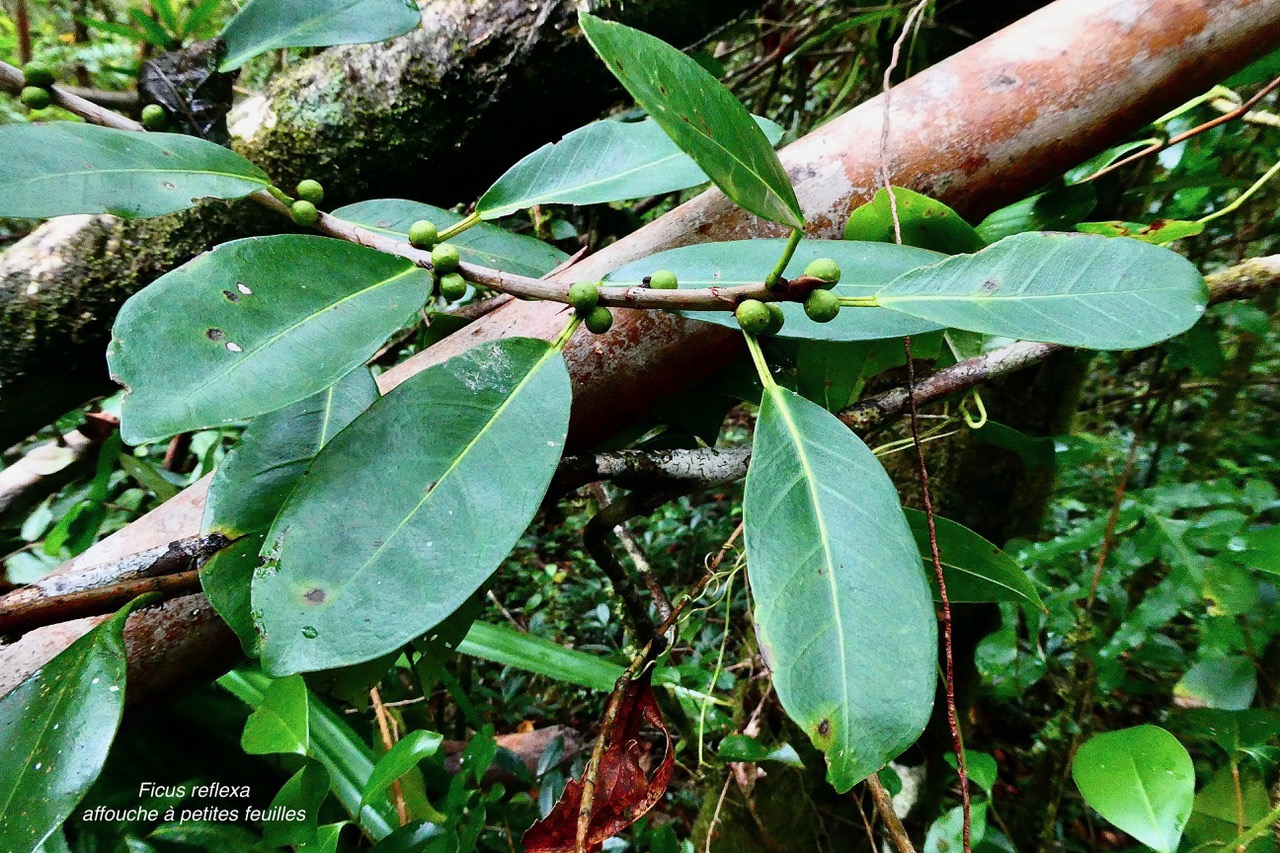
x: 824, y: 728
x: 215, y: 334
x: 315, y: 596
x: 231, y: 295
x: 166, y: 152
x: 170, y: 185
x: 990, y: 286
x: 662, y: 89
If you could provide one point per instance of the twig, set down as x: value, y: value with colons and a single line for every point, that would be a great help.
x: 17, y: 619
x: 637, y: 556
x: 884, y: 805
x: 1187, y: 134
x: 388, y: 741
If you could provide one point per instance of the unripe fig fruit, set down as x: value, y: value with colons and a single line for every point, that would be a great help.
x: 33, y: 97
x: 776, y: 318
x: 663, y: 280
x: 308, y: 190
x: 825, y: 269
x: 423, y: 234
x: 599, y: 320
x: 453, y: 287
x: 304, y: 213
x: 753, y: 316
x: 445, y: 258
x: 154, y: 117
x: 822, y: 306
x: 38, y: 74
x: 584, y: 297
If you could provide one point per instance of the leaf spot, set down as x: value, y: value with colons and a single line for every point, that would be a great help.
x: 990, y: 286
x: 170, y: 185
x: 243, y: 288
x: 824, y: 728
x: 231, y: 295
x: 315, y: 596
x: 234, y: 347
x: 215, y: 334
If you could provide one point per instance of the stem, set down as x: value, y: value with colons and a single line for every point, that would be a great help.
x: 1244, y: 196
x: 1258, y: 830
x: 563, y: 338
x: 792, y: 242
x: 458, y: 227
x: 762, y: 366
x: 280, y: 195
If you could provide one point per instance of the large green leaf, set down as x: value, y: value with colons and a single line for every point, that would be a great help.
x: 55, y: 730
x: 1055, y: 210
x: 252, y: 326
x: 252, y: 483
x: 974, y: 569
x: 866, y: 269
x: 67, y: 167
x: 604, y: 161
x: 263, y: 25
x: 923, y: 221
x: 1141, y: 779
x: 483, y: 244
x: 436, y: 483
x: 842, y: 610
x: 701, y: 116
x: 1074, y: 289
x: 258, y: 474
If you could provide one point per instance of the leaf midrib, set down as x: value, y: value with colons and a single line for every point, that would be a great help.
x: 537, y: 366
x: 802, y: 457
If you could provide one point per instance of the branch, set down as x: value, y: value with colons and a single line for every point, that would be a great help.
x: 1070, y: 83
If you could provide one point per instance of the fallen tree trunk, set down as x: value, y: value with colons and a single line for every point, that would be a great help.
x: 433, y: 115
x: 979, y: 130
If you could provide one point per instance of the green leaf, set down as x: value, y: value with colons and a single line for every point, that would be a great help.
x: 842, y: 610
x: 604, y: 161
x: 1141, y: 779
x: 305, y: 791
x: 263, y: 25
x: 1072, y: 289
x: 1218, y: 807
x: 399, y: 760
x: 55, y: 730
x: 345, y: 755
x: 254, y: 325
x: 1055, y: 210
x: 699, y: 114
x: 225, y: 579
x: 279, y: 724
x: 744, y: 748
x: 982, y: 768
x: 946, y: 834
x: 254, y: 479
x: 66, y: 167
x: 866, y: 268
x: 1159, y: 232
x: 925, y: 222
x: 975, y: 570
x: 483, y: 244
x: 1226, y: 684
x: 440, y: 478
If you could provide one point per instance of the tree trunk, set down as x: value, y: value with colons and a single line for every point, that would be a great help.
x: 979, y: 130
x: 434, y: 115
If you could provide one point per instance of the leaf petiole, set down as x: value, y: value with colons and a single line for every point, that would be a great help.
x: 859, y: 302
x: 458, y: 227
x: 563, y: 338
x: 762, y: 366
x: 790, y: 249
